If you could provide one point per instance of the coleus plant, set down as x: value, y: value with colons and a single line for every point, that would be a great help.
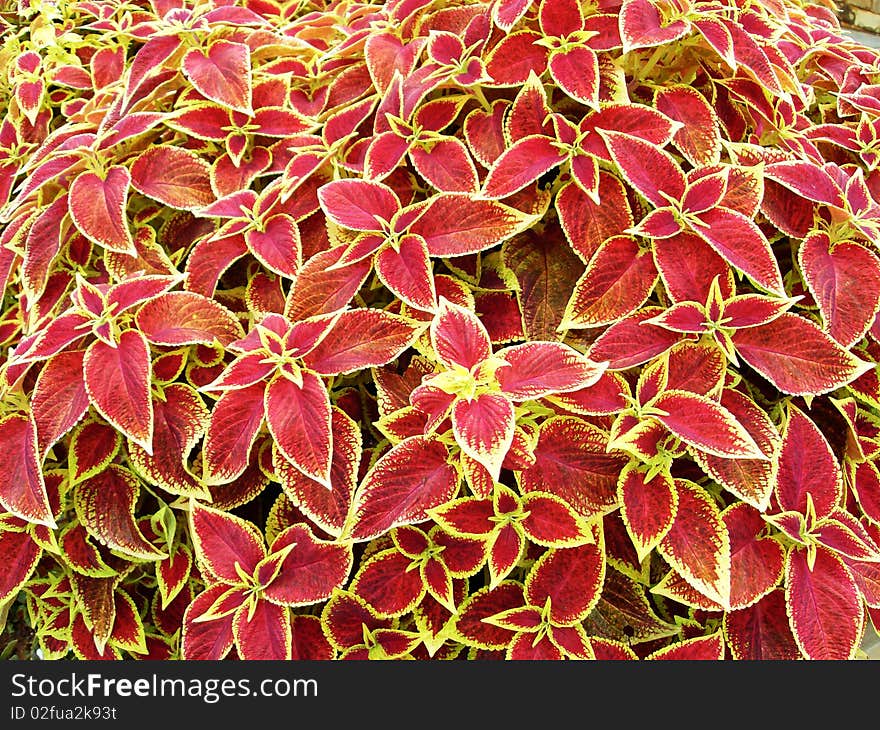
x: 426, y: 329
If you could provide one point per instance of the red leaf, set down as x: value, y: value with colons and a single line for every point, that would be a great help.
x: 520, y: 164
x: 576, y: 70
x: 309, y: 641
x: 546, y: 270
x: 701, y: 648
x: 506, y: 547
x: 454, y: 224
x: 696, y: 368
x: 647, y: 508
x: 387, y: 585
x: 344, y: 618
x: 235, y: 422
x: 128, y: 628
x: 466, y: 516
x: 797, y: 357
x: 361, y: 205
x: 483, y: 428
x: 550, y: 522
x: 523, y: 647
x: 458, y: 337
x: 19, y: 555
x: 560, y: 18
x: 225, y: 543
x: 470, y: 626
x: 310, y: 570
x: 97, y: 207
x: 706, y: 425
x: 636, y: 120
x: 632, y: 341
x: 59, y: 399
x: 866, y: 488
x: 93, y: 445
x: 187, y: 318
x: 807, y: 472
x: 824, y: 605
x: 688, y: 266
x: 327, y: 508
x: 402, y: 486
x: 650, y: 170
x: 322, y: 288
x: 262, y: 633
x: 206, y: 640
x: 118, y: 383
x: 180, y: 421
x: 209, y: 259
x: 173, y: 574
x: 756, y: 563
x: 276, y: 244
x: 446, y: 165
x: 361, y: 338
x: 173, y: 176
x: 507, y: 13
x: 385, y: 53
x: 618, y: 280
x: 149, y: 60
x: 698, y: 138
x: 642, y: 26
x: 571, y: 462
x: 807, y: 179
x: 588, y: 224
x: 844, y: 279
x: 761, y: 631
x: 748, y: 310
x: 42, y: 245
x: 298, y: 416
x: 136, y: 290
x: 514, y: 57
x: 537, y: 369
x: 605, y: 397
x: 223, y: 74
x: 697, y: 545
x: 384, y: 154
x: 571, y: 578
x: 742, y: 244
x: 788, y: 211
x: 749, y: 479
x: 407, y: 272
x: 105, y: 505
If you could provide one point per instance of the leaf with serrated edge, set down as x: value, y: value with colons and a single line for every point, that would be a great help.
x: 187, y: 318
x: 402, y: 486
x: 298, y: 416
x: 761, y: 631
x: 704, y: 424
x: 571, y: 579
x: 225, y: 544
x: 571, y: 462
x: 823, y: 604
x: 105, y: 505
x: 310, y: 570
x: 387, y: 585
x: 701, y: 648
x: 697, y: 545
x: 22, y: 485
x: 118, y: 383
x: 97, y: 207
x: 808, y: 477
x: 236, y: 420
x: 647, y: 508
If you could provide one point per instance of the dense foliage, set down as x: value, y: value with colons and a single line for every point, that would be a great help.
x: 438, y: 329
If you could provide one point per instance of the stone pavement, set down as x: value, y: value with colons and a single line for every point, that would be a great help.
x: 869, y: 39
